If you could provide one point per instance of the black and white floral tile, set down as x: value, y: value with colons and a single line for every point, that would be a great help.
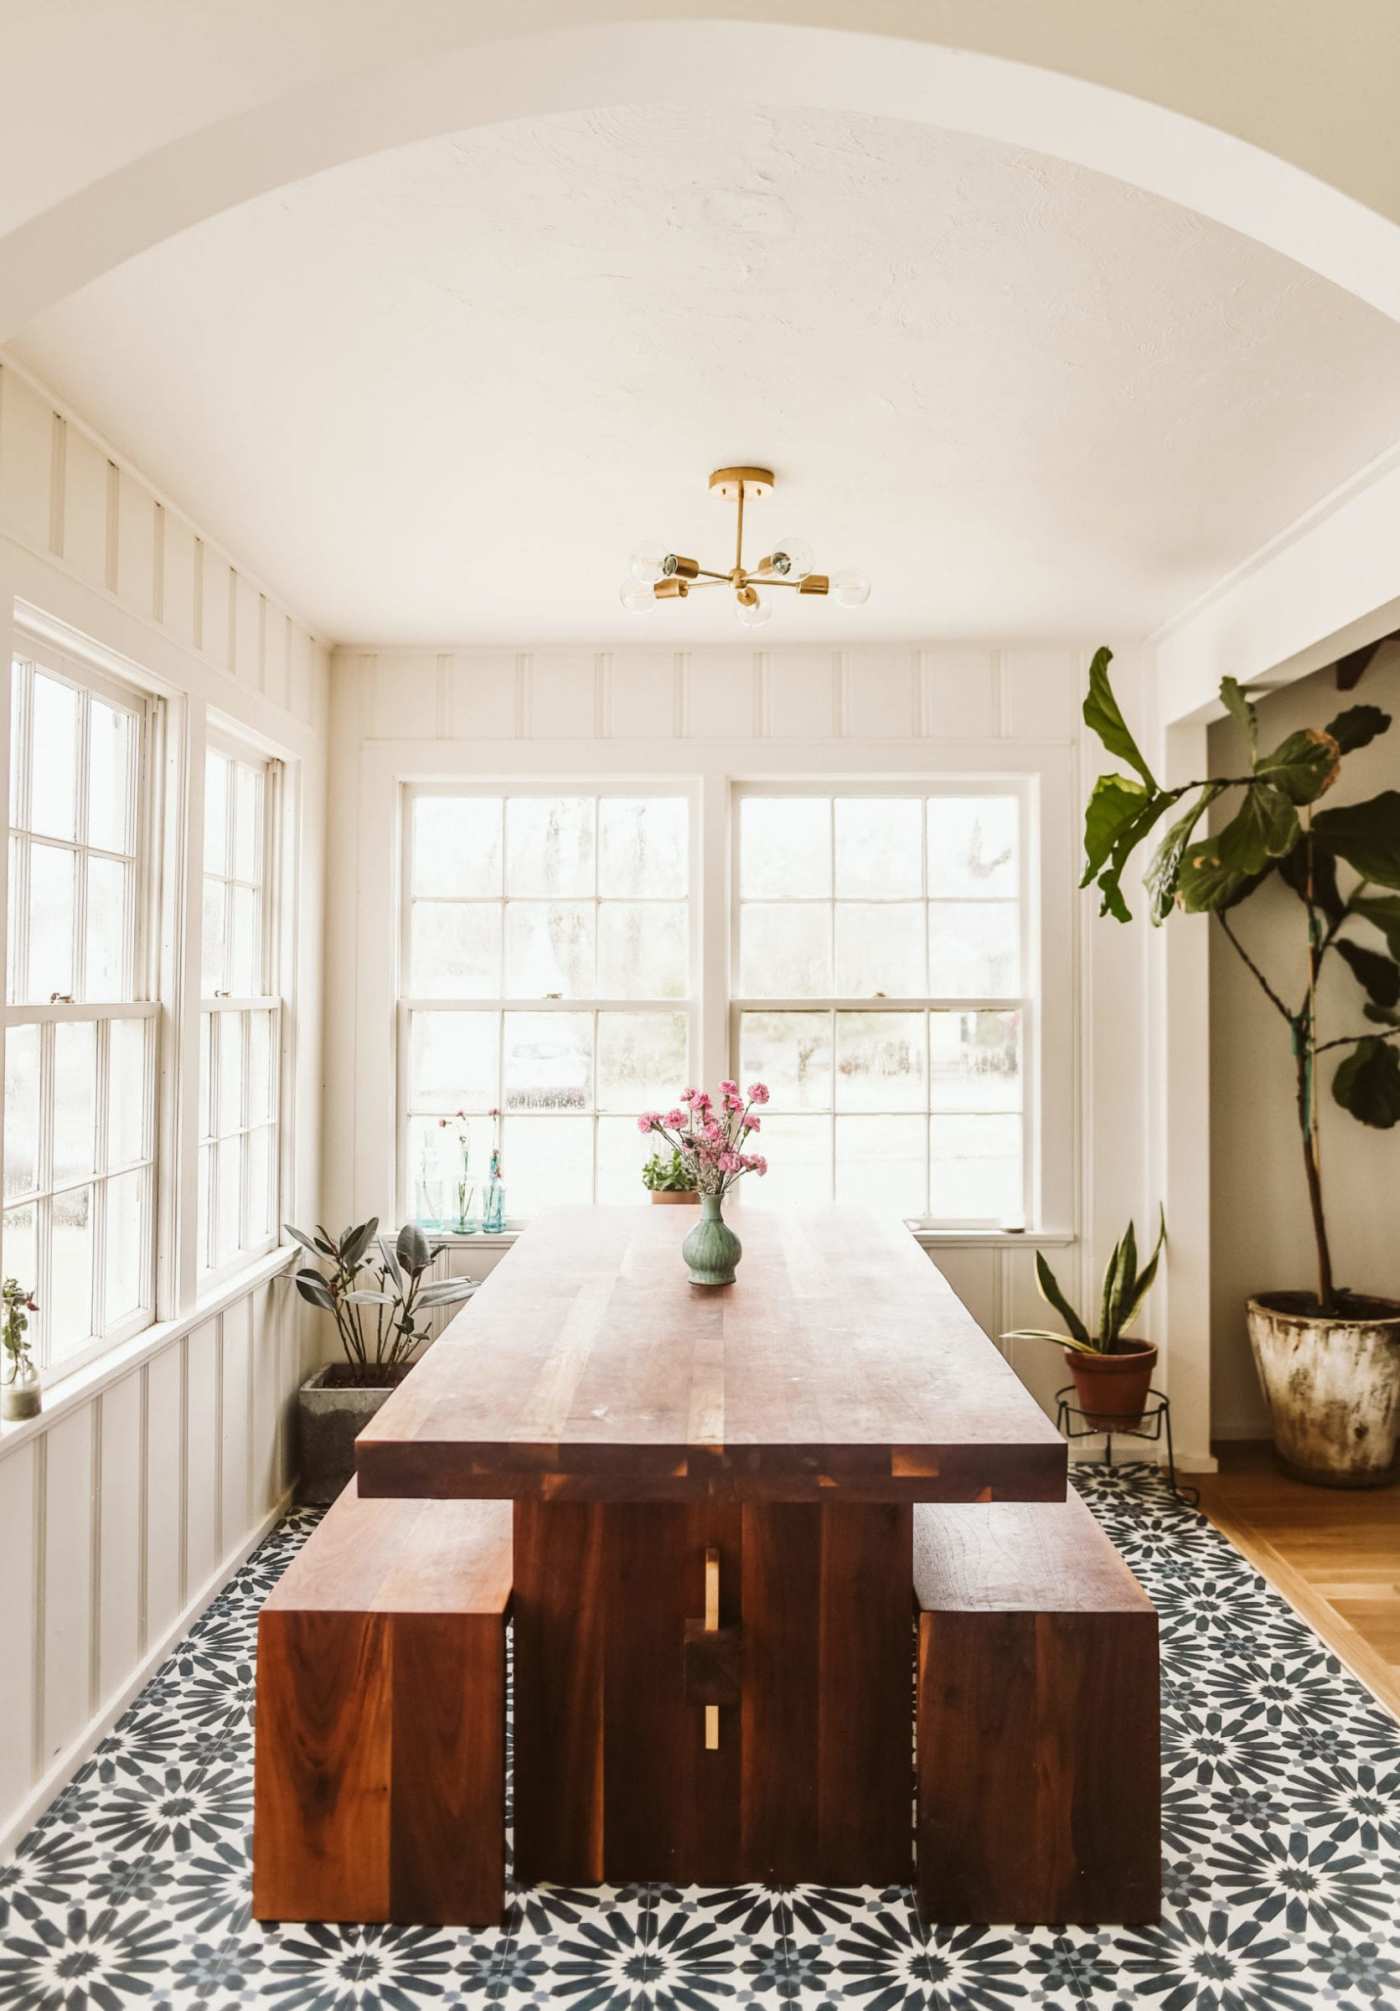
x: 1282, y: 1840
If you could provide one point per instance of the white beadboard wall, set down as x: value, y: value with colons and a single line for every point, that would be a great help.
x: 731, y: 711
x: 83, y: 518
x: 123, y: 1517
x: 145, y: 1483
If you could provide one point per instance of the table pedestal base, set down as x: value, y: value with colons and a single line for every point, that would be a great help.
x: 811, y: 1777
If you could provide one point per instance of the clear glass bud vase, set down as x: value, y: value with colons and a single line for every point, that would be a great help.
x: 21, y: 1392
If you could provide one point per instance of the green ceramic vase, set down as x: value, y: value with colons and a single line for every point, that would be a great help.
x: 711, y: 1249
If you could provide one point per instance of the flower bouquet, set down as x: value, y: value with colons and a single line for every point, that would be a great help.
x: 710, y: 1140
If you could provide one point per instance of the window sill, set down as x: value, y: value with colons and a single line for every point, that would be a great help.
x: 499, y: 1239
x: 933, y: 1238
x: 72, y: 1391
x: 930, y: 1238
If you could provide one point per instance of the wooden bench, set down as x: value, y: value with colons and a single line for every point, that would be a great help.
x: 379, y: 1772
x: 1039, y: 1775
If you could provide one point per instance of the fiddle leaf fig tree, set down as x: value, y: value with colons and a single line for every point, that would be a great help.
x: 1274, y: 831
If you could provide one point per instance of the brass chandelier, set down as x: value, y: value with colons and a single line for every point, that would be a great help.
x: 653, y: 577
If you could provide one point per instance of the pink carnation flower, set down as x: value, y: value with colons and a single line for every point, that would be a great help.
x: 754, y: 1124
x: 675, y: 1118
x: 759, y: 1164
x: 758, y: 1092
x: 689, y: 1095
x: 729, y: 1088
x: 649, y: 1120
x: 729, y: 1162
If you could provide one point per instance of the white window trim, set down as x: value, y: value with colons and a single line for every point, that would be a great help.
x: 1026, y: 1002
x: 408, y: 1004
x: 93, y: 675
x: 710, y: 768
x: 212, y: 1278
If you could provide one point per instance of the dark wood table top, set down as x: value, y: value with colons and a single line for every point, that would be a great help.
x: 839, y: 1366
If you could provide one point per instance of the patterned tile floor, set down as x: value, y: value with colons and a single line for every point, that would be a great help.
x: 1282, y: 1786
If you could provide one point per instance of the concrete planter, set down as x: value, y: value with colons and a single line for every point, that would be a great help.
x: 331, y: 1414
x: 1333, y: 1387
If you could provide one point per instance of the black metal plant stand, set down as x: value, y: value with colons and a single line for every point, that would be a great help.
x: 1154, y: 1425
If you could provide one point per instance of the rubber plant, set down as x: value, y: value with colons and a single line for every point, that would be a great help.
x: 1275, y: 832
x: 381, y: 1323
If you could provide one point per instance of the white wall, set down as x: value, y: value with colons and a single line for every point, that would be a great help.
x: 1261, y: 1229
x: 733, y: 713
x: 153, y: 1471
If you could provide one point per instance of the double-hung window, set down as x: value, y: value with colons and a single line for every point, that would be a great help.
x: 240, y: 1033
x: 880, y: 958
x: 546, y: 976
x: 80, y: 1019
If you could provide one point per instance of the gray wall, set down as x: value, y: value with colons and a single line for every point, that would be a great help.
x: 1261, y: 1236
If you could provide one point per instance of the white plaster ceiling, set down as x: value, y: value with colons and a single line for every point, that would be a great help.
x: 439, y: 394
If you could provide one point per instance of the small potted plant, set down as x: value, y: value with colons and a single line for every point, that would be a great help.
x: 1112, y: 1370
x: 670, y: 1179
x: 379, y: 1295
x: 21, y: 1394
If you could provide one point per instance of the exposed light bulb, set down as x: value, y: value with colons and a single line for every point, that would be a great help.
x: 850, y: 589
x: 636, y: 595
x: 646, y: 565
x: 754, y: 612
x: 792, y: 558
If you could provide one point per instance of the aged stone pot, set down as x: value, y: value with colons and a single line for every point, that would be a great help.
x: 1332, y: 1384
x: 332, y: 1411
x: 1112, y: 1389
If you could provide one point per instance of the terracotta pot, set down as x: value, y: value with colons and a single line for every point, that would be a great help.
x: 1112, y: 1389
x: 1332, y: 1384
x: 666, y: 1197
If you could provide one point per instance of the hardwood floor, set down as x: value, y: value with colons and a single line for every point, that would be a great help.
x: 1333, y: 1553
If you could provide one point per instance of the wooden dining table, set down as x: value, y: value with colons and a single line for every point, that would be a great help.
x: 713, y: 1491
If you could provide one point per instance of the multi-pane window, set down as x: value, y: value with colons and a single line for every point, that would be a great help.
x: 240, y: 1015
x: 80, y: 1026
x: 547, y: 975
x: 879, y: 992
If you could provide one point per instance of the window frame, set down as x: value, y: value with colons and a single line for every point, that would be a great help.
x: 1023, y: 788
x: 223, y: 1006
x: 406, y: 1004
x: 141, y: 1002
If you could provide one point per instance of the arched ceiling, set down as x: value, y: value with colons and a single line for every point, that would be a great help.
x: 126, y: 120
x: 438, y: 394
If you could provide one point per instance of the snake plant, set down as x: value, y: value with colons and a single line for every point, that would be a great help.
x: 1124, y: 1289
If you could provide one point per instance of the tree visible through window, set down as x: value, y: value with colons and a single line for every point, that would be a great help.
x: 878, y: 945
x: 547, y: 966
